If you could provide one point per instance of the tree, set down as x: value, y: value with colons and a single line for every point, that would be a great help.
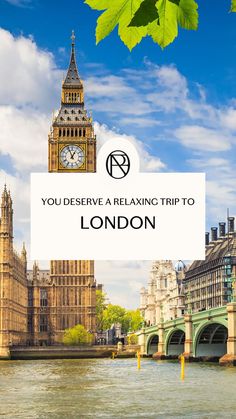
x: 133, y: 319
x: 129, y: 319
x: 113, y: 314
x: 77, y: 335
x: 136, y: 19
x: 100, y: 307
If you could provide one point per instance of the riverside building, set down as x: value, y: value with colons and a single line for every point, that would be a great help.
x: 163, y: 299
x: 208, y: 283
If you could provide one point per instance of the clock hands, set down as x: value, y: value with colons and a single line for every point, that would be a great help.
x: 72, y: 156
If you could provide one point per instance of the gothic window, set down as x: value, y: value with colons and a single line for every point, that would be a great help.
x: 64, y: 132
x: 30, y: 297
x: 72, y: 111
x: 59, y: 132
x: 62, y: 119
x: 76, y: 132
x: 43, y: 297
x: 80, y: 133
x: 43, y: 323
x: 68, y: 133
x: 84, y: 132
x: 65, y: 111
x: 72, y: 133
x: 68, y: 119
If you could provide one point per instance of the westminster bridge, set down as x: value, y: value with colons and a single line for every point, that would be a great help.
x: 204, y: 335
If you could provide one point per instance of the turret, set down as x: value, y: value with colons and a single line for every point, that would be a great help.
x: 6, y: 213
x: 35, y: 271
x: 24, y: 256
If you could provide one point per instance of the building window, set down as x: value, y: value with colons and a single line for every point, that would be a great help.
x: 43, y: 297
x: 43, y: 323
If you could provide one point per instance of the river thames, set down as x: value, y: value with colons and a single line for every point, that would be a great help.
x: 105, y: 388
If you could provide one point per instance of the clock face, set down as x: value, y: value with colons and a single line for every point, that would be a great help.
x: 72, y: 157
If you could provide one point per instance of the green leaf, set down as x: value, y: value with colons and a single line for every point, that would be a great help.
x: 120, y: 12
x: 147, y: 13
x: 164, y: 30
x: 98, y: 4
x: 233, y: 6
x: 187, y: 14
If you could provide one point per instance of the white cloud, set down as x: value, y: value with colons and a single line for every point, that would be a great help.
x: 19, y: 3
x: 140, y: 122
x: 212, y: 163
x: 28, y: 74
x: 228, y: 118
x: 148, y: 163
x: 204, y: 139
x: 23, y: 136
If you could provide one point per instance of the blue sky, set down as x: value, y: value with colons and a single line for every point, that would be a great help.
x: 178, y: 105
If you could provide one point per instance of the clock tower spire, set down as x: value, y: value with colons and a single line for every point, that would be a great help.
x: 72, y: 143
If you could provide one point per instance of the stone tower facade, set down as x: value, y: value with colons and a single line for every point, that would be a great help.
x: 13, y: 283
x: 66, y: 295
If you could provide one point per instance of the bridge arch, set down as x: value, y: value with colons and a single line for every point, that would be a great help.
x: 152, y: 344
x: 211, y: 339
x: 174, y: 342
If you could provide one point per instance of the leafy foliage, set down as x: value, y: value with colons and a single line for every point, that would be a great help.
x: 147, y: 13
x: 129, y: 319
x: 133, y: 319
x: 77, y: 335
x: 113, y: 314
x: 100, y: 307
x: 136, y: 19
x: 118, y: 12
x: 165, y: 29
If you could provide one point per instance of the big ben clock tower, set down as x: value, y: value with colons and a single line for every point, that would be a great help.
x: 72, y: 148
x: 72, y: 143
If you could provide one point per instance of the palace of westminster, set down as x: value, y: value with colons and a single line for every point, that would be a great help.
x: 36, y: 306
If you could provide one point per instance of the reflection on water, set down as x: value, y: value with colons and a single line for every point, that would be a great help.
x: 106, y: 388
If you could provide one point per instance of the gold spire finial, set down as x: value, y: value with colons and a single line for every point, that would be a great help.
x: 73, y: 37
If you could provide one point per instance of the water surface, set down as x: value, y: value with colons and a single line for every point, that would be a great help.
x: 105, y: 388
